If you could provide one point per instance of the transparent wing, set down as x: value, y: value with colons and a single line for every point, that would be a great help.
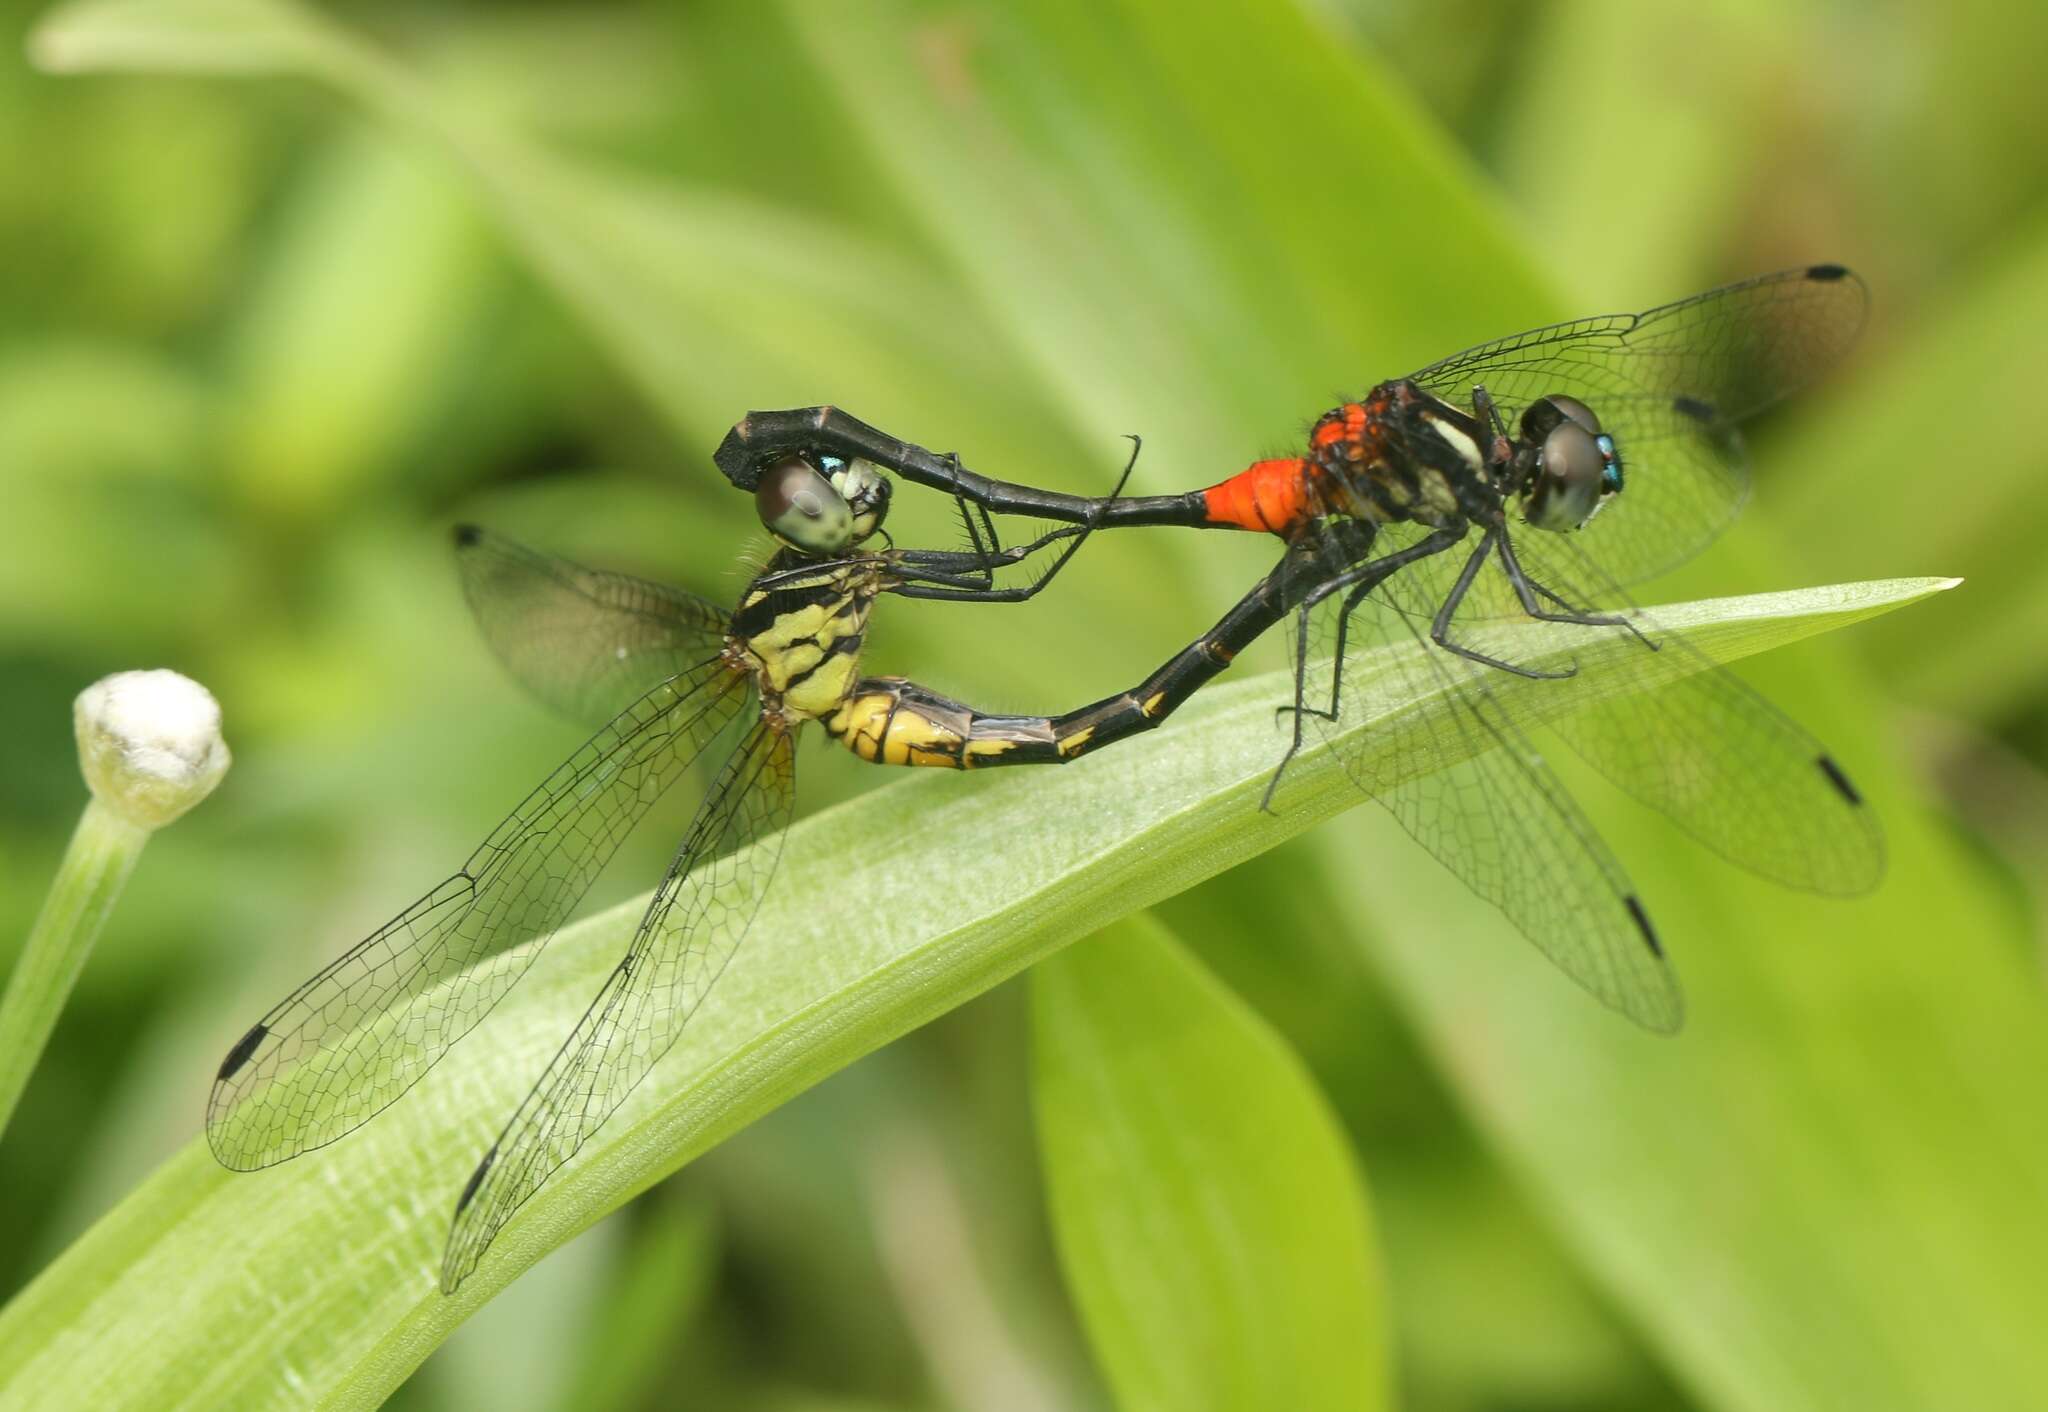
x: 1714, y: 756
x: 351, y: 1040
x: 1729, y: 769
x: 1669, y: 384
x: 1476, y: 793
x: 585, y: 642
x: 693, y: 924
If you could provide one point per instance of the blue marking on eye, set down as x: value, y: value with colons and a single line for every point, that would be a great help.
x: 1610, y: 474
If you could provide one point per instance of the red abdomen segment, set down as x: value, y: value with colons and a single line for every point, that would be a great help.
x: 1270, y: 496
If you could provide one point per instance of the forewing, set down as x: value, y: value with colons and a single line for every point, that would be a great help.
x: 694, y: 923
x: 584, y: 641
x: 356, y: 1036
x: 1670, y: 384
x: 1475, y: 792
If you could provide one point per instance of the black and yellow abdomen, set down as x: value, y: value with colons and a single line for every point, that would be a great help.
x: 890, y: 721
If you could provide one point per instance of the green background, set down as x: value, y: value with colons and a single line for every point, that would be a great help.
x: 261, y: 341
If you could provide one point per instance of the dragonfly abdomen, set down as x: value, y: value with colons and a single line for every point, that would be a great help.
x: 1269, y: 496
x: 891, y: 721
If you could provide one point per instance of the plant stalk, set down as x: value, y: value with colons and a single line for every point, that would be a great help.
x: 102, y: 853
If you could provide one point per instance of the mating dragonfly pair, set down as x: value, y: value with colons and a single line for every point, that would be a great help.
x: 1612, y: 440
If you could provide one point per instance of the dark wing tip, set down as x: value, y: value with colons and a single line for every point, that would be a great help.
x: 1663, y: 1014
x: 467, y: 536
x: 239, y: 1055
x: 1642, y: 921
x: 1827, y: 274
x: 1693, y: 407
x: 1839, y: 778
x: 476, y: 1179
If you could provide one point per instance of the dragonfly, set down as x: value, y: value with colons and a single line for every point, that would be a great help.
x: 1533, y: 478
x: 674, y: 680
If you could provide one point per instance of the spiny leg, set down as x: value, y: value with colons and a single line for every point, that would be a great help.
x: 985, y: 544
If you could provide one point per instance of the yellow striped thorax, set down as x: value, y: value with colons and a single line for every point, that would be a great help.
x: 800, y: 630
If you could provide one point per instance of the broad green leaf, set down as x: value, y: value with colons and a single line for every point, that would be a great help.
x: 316, y: 1280
x: 1451, y: 1219
x: 1209, y: 1213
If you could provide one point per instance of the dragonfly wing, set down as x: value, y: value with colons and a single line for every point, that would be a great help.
x: 1470, y: 787
x: 1669, y: 384
x: 694, y: 922
x: 356, y: 1036
x: 1738, y: 348
x: 1711, y: 754
x: 1735, y: 773
x: 585, y: 642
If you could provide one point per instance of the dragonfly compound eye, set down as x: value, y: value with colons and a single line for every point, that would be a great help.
x: 1546, y: 412
x: 801, y: 508
x: 1571, y: 477
x: 1576, y: 410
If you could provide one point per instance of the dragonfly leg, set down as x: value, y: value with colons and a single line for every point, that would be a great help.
x: 1440, y: 629
x: 1500, y: 456
x: 977, y: 583
x: 1528, y: 590
x: 1360, y: 581
x: 984, y: 541
x: 1301, y: 708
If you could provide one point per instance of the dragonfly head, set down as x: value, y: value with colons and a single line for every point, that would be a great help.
x: 821, y: 505
x: 1573, y: 468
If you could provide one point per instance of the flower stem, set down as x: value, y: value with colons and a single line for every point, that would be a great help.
x: 96, y: 865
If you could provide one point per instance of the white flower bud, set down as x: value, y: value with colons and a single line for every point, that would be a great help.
x: 149, y: 744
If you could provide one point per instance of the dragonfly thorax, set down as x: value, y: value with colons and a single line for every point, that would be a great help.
x: 1402, y: 454
x: 799, y: 630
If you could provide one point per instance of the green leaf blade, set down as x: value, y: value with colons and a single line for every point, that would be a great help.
x: 1210, y: 1217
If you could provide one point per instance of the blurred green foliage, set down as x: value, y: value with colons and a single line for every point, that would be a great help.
x: 260, y: 342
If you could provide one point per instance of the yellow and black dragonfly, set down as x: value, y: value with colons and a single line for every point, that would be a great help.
x: 673, y: 678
